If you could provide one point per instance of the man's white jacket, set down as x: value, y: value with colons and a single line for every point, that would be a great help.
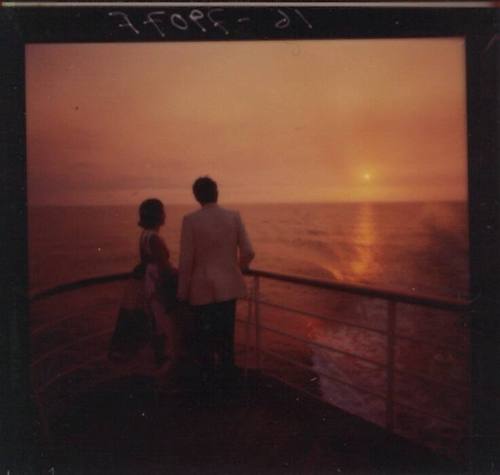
x: 214, y: 248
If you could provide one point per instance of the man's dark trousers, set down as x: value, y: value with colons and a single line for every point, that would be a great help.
x: 215, y: 338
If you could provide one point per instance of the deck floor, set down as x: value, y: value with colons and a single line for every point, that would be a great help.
x: 256, y: 425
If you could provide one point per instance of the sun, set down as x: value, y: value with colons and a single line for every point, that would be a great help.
x: 367, y: 177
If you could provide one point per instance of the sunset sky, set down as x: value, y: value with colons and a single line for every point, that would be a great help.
x: 274, y: 121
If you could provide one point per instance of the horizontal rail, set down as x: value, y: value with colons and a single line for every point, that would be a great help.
x: 342, y: 382
x: 79, y: 284
x: 319, y: 317
x: 427, y: 342
x: 79, y: 314
x: 368, y: 291
x: 48, y: 354
x: 412, y: 374
x: 356, y: 289
x: 324, y: 347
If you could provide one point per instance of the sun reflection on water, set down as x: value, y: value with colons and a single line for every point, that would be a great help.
x: 362, y: 263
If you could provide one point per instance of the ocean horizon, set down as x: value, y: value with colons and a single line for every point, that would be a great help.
x: 404, y: 245
x: 246, y: 203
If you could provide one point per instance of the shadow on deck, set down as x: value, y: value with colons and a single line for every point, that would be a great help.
x: 256, y: 426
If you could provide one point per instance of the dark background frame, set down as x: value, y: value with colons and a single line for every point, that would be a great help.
x: 23, y: 25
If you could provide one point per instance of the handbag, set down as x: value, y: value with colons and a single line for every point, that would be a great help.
x: 134, y: 325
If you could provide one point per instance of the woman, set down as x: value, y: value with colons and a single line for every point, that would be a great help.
x: 160, y: 279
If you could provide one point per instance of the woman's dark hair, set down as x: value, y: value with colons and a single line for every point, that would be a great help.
x: 205, y: 190
x: 151, y: 213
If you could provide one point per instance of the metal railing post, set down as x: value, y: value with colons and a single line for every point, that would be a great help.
x: 391, y: 351
x: 256, y: 295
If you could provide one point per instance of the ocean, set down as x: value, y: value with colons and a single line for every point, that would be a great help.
x: 420, y: 246
x: 417, y: 247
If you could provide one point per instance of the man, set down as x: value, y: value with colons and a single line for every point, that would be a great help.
x: 215, y: 248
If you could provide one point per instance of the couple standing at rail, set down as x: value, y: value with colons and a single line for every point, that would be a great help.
x: 214, y: 249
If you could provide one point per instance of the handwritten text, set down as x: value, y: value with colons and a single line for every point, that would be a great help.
x: 215, y: 19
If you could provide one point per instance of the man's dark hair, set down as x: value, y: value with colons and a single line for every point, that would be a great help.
x: 151, y: 213
x: 205, y: 190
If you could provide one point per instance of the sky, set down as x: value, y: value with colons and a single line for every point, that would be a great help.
x: 270, y: 121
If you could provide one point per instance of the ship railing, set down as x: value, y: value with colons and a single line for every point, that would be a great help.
x: 394, y: 299
x: 255, y: 303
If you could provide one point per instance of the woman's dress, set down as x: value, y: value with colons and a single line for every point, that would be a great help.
x: 147, y: 316
x: 158, y: 270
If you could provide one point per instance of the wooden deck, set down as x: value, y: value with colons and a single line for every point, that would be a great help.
x: 256, y: 425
